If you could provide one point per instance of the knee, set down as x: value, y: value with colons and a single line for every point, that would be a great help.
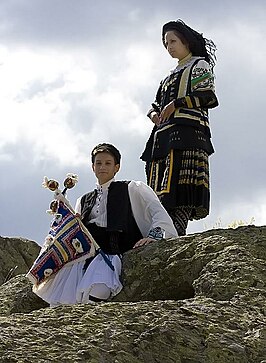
x: 99, y: 292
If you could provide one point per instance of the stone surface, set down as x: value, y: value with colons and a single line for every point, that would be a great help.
x: 216, y: 264
x: 16, y: 296
x: 16, y: 256
x: 197, y: 299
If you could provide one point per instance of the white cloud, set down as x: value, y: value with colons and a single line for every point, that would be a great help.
x: 44, y: 86
x: 75, y: 76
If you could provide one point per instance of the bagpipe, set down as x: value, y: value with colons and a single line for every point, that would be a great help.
x: 68, y: 239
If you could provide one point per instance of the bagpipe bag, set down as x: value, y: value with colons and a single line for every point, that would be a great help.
x: 65, y: 243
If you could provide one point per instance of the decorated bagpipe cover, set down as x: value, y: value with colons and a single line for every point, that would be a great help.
x: 65, y: 242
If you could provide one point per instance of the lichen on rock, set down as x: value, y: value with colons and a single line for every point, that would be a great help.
x: 195, y: 299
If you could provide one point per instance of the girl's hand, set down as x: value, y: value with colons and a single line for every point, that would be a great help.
x: 144, y: 241
x: 167, y: 112
x: 155, y: 118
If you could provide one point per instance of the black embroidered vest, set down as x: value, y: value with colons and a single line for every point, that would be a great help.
x: 122, y: 231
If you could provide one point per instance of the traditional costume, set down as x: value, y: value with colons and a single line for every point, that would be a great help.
x: 117, y: 214
x: 177, y: 151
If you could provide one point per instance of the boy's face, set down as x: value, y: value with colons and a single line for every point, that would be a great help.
x: 104, y: 167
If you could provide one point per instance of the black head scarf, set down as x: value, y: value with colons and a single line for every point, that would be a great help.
x: 109, y: 148
x: 198, y: 45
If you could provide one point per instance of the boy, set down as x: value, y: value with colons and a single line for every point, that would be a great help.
x: 120, y: 215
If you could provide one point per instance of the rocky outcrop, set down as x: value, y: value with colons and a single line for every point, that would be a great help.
x: 16, y: 256
x: 16, y: 296
x: 197, y: 299
x: 217, y: 264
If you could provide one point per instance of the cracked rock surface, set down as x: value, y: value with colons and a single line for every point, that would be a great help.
x: 195, y: 299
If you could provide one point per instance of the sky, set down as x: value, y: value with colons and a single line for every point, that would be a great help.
x: 74, y: 73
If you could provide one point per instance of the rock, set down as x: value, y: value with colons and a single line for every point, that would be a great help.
x: 16, y: 256
x: 16, y: 296
x: 216, y: 264
x: 197, y: 299
x: 194, y: 330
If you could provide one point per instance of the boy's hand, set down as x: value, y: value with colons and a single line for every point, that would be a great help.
x: 144, y: 241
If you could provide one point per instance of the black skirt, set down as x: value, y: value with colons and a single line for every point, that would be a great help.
x: 177, y: 167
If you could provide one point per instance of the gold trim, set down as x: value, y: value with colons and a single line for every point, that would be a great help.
x: 183, y: 83
x: 167, y: 190
x: 190, y: 117
x: 164, y: 128
x: 61, y: 249
x: 58, y: 245
x: 189, y: 103
x: 69, y: 224
x: 182, y: 91
x: 156, y: 175
x: 151, y: 172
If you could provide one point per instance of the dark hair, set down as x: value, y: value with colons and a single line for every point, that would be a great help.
x: 107, y: 148
x: 197, y: 44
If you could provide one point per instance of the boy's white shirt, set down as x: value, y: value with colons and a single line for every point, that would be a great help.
x: 146, y: 208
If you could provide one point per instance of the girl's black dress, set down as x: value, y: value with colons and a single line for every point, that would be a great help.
x: 177, y: 151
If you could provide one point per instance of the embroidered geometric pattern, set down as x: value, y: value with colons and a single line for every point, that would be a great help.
x: 156, y: 233
x: 67, y: 243
x: 194, y: 168
x: 165, y: 165
x: 180, y: 217
x: 194, y: 171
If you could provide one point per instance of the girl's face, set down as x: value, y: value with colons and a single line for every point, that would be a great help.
x: 174, y: 45
x: 104, y: 167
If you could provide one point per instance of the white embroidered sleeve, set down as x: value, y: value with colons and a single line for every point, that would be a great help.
x: 148, y: 211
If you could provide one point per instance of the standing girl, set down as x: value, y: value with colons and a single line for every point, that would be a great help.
x: 177, y: 152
